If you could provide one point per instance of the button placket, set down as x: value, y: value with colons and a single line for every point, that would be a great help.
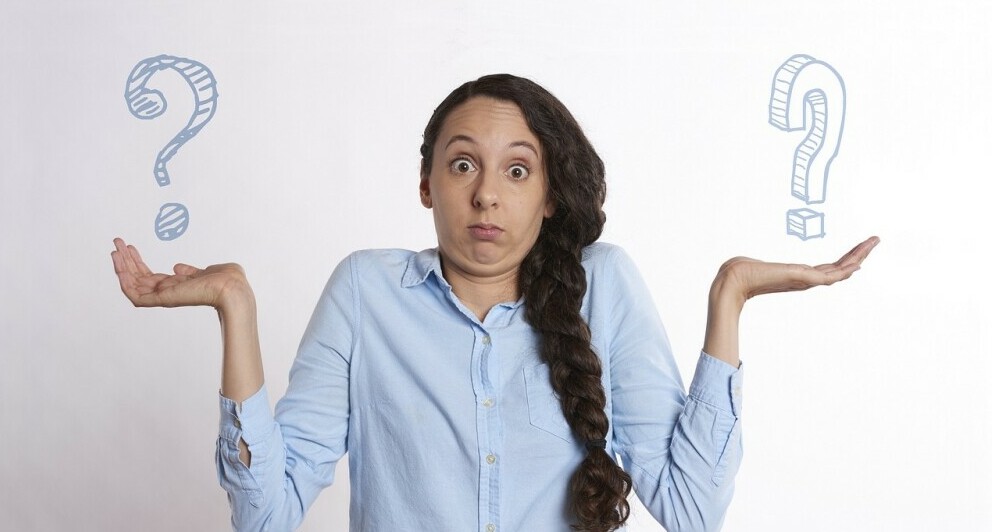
x: 485, y: 378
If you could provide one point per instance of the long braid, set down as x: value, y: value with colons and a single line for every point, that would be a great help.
x: 553, y: 283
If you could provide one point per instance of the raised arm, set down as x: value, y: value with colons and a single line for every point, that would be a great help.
x: 742, y: 278
x: 272, y: 466
x: 222, y: 286
x: 683, y: 450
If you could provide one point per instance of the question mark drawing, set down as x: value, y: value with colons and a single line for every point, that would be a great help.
x: 144, y: 103
x: 808, y: 94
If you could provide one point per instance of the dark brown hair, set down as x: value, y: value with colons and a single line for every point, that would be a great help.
x: 553, y: 283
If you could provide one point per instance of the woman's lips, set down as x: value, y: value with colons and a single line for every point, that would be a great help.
x: 485, y: 231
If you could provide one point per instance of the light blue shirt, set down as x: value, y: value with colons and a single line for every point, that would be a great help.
x: 451, y: 423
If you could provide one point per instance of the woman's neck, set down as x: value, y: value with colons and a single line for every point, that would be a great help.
x: 480, y: 294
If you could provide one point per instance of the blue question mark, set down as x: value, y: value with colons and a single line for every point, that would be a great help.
x: 144, y: 103
x: 808, y: 94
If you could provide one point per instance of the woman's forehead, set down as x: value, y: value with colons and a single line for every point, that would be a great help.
x: 487, y: 120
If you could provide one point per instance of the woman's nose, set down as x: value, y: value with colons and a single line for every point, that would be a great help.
x: 486, y: 194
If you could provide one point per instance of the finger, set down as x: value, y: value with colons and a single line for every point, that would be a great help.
x: 859, y: 253
x: 125, y: 252
x: 142, y: 267
x: 803, y: 277
x: 851, y: 255
x: 872, y: 242
x: 830, y: 268
x: 115, y: 256
x: 125, y: 277
x: 839, y: 274
x: 844, y: 273
x: 123, y: 262
x: 814, y: 276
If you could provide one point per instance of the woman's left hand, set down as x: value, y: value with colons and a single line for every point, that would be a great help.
x: 750, y: 277
x: 741, y: 278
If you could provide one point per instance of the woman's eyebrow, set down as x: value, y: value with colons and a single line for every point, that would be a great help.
x: 456, y: 138
x: 527, y: 145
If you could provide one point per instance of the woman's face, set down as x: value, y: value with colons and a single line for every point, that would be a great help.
x: 487, y: 188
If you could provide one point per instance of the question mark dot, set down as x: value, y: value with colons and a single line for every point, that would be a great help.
x: 805, y: 223
x: 172, y: 221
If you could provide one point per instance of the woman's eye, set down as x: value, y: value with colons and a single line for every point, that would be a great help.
x: 518, y: 171
x: 462, y: 166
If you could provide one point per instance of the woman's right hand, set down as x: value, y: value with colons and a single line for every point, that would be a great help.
x: 217, y: 286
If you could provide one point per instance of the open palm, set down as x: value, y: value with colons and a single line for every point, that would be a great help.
x: 755, y: 277
x: 187, y: 286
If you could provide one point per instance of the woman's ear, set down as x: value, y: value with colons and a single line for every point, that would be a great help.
x: 425, y: 193
x: 549, y: 207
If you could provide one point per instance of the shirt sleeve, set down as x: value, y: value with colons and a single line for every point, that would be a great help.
x: 682, y: 451
x: 294, y: 452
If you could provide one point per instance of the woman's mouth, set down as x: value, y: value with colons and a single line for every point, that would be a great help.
x: 485, y: 231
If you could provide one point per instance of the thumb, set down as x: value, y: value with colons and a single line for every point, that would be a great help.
x: 184, y: 269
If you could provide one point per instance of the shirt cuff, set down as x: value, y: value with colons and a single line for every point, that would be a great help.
x: 251, y: 420
x: 718, y: 384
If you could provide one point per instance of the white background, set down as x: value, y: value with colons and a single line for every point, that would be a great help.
x: 866, y: 405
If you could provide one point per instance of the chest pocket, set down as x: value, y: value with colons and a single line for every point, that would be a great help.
x: 543, y: 405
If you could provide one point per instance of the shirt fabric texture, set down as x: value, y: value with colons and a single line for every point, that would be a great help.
x: 451, y: 424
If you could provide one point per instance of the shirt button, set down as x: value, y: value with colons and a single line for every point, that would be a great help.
x: 487, y: 403
x: 490, y: 528
x: 486, y: 340
x: 491, y: 459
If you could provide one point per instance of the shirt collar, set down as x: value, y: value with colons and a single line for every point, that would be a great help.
x: 420, y: 265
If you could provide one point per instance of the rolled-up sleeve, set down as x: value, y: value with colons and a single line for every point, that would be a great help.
x: 251, y: 421
x: 294, y: 452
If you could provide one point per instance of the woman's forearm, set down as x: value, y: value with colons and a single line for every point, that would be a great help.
x: 241, y: 374
x: 723, y: 316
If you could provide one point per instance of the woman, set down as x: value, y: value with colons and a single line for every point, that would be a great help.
x: 490, y: 383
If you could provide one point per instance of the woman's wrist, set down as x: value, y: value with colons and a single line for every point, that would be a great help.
x: 235, y: 296
x: 726, y: 300
x: 726, y: 293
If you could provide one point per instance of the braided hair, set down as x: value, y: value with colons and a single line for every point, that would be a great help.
x: 553, y: 282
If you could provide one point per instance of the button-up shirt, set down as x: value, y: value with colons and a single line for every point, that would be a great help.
x: 451, y: 423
